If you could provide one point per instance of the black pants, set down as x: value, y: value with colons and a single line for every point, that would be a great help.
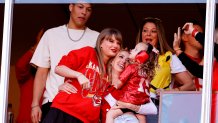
x: 45, y: 109
x: 57, y: 116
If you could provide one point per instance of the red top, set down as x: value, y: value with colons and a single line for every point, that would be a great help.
x: 25, y: 79
x: 135, y: 88
x: 85, y: 61
x: 215, y: 77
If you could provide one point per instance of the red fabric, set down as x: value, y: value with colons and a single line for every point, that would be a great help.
x: 214, y: 96
x: 196, y: 80
x: 135, y: 90
x: 105, y: 107
x: 141, y: 57
x: 85, y: 61
x: 25, y: 79
x: 215, y: 76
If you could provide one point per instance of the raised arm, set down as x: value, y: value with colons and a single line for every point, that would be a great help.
x: 193, y: 67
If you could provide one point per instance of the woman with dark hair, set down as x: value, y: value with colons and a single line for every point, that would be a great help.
x: 152, y: 31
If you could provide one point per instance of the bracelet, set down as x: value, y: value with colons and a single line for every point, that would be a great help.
x: 194, y: 32
x: 34, y: 106
x: 177, y: 49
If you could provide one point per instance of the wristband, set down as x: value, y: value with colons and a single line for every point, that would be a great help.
x: 177, y: 49
x: 194, y: 32
x: 34, y: 106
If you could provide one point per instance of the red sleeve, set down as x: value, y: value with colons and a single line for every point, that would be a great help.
x: 126, y: 74
x: 70, y: 60
x: 22, y: 67
x: 76, y: 58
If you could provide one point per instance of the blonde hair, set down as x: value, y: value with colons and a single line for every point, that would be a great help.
x: 163, y: 45
x: 109, y: 65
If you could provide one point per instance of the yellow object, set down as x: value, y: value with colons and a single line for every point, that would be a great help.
x: 162, y: 76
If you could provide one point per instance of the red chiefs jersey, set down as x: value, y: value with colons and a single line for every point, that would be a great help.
x: 85, y: 61
x: 135, y: 88
x: 25, y: 79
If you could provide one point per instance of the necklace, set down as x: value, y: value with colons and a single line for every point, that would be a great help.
x: 73, y: 39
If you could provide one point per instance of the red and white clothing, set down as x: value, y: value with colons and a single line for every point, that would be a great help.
x: 135, y: 88
x: 53, y: 45
x: 85, y: 61
x: 198, y: 81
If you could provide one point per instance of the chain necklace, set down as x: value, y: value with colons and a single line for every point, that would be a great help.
x: 70, y: 36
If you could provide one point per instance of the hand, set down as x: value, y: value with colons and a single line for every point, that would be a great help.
x: 188, y: 28
x: 177, y: 39
x: 158, y: 91
x: 130, y: 106
x: 84, y: 82
x: 117, y: 83
x: 67, y: 87
x: 36, y: 114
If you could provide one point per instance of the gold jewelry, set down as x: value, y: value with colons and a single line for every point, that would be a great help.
x: 73, y: 39
x: 177, y: 49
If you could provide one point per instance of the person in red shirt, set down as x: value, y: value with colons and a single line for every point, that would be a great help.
x: 115, y: 67
x: 85, y: 70
x: 132, y: 84
x: 25, y: 74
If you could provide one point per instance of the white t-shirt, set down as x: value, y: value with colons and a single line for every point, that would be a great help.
x: 53, y: 45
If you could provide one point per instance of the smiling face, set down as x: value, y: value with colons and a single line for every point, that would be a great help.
x: 120, y: 61
x: 149, y: 33
x: 110, y: 46
x: 138, y: 48
x: 80, y: 13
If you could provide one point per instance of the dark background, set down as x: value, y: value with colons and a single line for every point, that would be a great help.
x: 28, y: 19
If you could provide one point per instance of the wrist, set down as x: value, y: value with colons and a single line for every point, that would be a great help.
x: 177, y: 49
x: 135, y: 108
x: 78, y: 75
x: 32, y: 107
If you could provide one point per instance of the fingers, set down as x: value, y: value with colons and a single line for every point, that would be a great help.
x: 39, y: 117
x: 158, y: 91
x: 36, y: 115
x: 185, y: 27
x: 86, y: 85
x: 177, y: 39
x: 67, y: 87
x: 179, y: 32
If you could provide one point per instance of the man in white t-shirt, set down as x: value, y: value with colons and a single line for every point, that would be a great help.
x: 55, y: 43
